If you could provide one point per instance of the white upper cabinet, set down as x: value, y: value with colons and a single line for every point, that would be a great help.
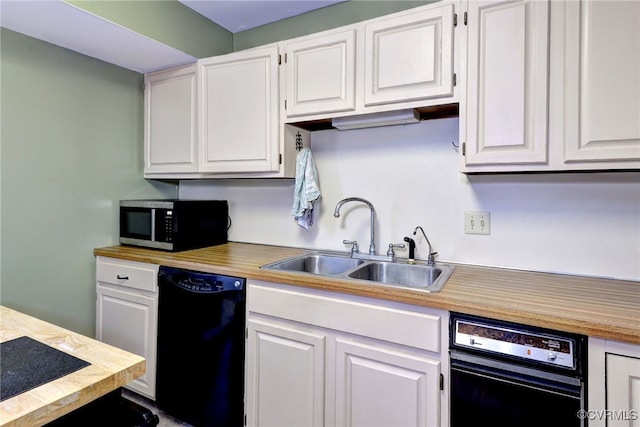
x: 551, y: 86
x: 238, y: 111
x: 398, y: 61
x: 409, y: 57
x: 602, y: 81
x: 170, y: 143
x: 220, y: 118
x: 507, y: 82
x: 321, y: 74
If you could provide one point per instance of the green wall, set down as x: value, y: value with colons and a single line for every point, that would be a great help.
x: 72, y: 130
x: 169, y: 22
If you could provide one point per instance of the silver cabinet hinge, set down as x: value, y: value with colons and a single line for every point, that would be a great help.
x: 441, y: 382
x: 455, y: 19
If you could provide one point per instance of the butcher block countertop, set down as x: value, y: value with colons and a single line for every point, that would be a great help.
x: 110, y: 369
x: 595, y: 307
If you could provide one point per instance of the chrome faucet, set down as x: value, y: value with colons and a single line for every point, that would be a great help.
x: 336, y: 213
x: 430, y: 257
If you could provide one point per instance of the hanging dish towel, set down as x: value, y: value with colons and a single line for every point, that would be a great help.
x: 306, y: 191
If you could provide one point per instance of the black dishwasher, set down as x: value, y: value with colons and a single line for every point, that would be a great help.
x: 200, y: 366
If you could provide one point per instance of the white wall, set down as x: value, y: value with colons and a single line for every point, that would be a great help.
x: 586, y: 223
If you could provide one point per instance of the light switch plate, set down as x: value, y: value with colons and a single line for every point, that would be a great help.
x: 477, y: 222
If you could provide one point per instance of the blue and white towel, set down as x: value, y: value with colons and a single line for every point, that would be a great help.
x: 306, y: 191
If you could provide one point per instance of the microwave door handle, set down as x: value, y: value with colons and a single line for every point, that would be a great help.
x: 153, y: 225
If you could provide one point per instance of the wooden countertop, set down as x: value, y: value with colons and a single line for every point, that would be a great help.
x: 110, y: 369
x: 591, y: 306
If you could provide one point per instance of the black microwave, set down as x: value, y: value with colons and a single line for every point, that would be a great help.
x: 173, y: 225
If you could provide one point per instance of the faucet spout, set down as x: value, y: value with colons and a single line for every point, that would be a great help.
x: 336, y: 213
x: 430, y: 257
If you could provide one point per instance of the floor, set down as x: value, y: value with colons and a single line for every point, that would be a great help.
x: 166, y: 420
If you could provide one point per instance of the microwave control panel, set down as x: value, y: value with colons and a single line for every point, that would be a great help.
x: 164, y: 225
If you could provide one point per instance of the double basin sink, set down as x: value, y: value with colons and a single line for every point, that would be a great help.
x: 419, y: 276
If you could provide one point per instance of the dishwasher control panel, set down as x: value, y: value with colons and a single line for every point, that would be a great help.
x: 529, y: 345
x: 197, y: 282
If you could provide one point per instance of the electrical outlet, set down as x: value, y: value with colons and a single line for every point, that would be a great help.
x: 477, y: 223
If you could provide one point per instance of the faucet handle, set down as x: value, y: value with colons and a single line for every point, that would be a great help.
x: 391, y: 253
x: 354, y: 245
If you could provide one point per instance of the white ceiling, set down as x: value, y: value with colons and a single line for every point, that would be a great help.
x: 68, y: 26
x: 240, y: 15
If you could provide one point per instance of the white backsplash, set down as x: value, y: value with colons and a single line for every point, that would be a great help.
x: 576, y: 223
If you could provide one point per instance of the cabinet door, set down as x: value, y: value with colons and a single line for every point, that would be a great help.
x: 507, y: 82
x: 238, y: 114
x: 129, y: 321
x: 602, y: 80
x: 321, y: 74
x: 170, y: 121
x: 409, y: 58
x: 623, y: 391
x: 385, y: 387
x: 285, y: 375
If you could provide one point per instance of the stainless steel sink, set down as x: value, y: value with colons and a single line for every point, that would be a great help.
x: 322, y: 264
x: 418, y: 276
x: 428, y: 278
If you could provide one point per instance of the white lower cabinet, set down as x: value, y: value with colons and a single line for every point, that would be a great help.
x: 286, y: 368
x: 127, y: 313
x: 623, y: 389
x: 614, y: 384
x: 317, y: 358
x: 382, y: 386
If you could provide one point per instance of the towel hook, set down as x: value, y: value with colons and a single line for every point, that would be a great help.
x: 298, y: 141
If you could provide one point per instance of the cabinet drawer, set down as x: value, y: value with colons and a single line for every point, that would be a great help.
x: 381, y: 321
x: 136, y: 275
